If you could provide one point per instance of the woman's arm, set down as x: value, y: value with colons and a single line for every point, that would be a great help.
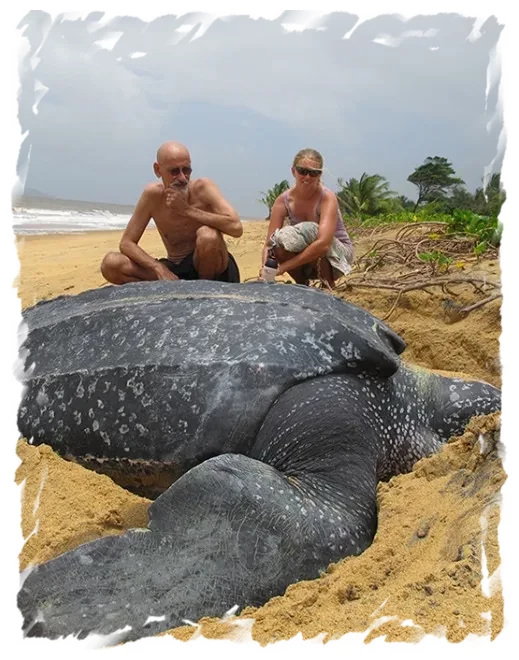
x: 277, y: 215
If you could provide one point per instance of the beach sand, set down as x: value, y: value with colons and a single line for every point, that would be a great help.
x: 54, y: 264
x: 426, y: 563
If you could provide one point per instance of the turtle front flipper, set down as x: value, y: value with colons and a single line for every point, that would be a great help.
x: 231, y: 531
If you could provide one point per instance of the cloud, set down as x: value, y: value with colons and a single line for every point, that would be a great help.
x: 253, y: 92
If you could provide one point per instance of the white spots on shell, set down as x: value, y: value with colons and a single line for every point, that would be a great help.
x: 347, y: 351
x: 59, y: 392
x: 106, y: 438
x: 137, y: 387
x: 146, y: 400
x: 164, y: 337
x: 41, y: 398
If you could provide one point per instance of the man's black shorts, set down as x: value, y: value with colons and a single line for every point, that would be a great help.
x: 186, y: 270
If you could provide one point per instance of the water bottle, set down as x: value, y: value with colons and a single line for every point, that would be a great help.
x: 269, y: 269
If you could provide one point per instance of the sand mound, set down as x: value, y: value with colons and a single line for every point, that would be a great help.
x: 65, y: 505
x: 437, y: 536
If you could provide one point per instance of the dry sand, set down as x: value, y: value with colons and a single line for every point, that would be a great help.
x: 427, y: 561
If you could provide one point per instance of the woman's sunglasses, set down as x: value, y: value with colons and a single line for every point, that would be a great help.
x: 303, y: 171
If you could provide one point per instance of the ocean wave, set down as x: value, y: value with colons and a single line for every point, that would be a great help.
x: 47, y: 221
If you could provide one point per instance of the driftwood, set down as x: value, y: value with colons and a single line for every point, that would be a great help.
x: 402, y: 285
x: 403, y: 251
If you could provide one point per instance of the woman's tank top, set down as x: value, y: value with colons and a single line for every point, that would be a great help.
x: 340, y: 230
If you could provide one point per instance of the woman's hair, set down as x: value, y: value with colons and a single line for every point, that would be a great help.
x: 311, y: 154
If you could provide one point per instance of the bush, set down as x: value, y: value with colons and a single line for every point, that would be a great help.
x: 485, y: 229
x: 424, y: 214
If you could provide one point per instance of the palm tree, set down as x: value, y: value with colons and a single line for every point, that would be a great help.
x: 272, y: 194
x: 364, y: 196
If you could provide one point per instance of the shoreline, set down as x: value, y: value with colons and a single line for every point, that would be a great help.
x: 53, y: 264
x: 90, y: 230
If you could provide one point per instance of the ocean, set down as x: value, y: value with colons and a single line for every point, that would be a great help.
x: 47, y: 215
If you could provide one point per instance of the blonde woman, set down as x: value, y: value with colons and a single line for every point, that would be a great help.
x: 315, y: 242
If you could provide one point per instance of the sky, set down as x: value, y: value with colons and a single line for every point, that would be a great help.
x: 99, y: 94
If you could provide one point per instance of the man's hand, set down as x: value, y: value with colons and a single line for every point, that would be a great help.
x: 176, y: 198
x: 164, y: 273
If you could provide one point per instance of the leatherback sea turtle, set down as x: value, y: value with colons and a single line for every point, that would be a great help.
x: 277, y: 407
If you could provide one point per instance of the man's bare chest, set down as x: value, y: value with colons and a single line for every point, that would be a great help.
x: 168, y: 219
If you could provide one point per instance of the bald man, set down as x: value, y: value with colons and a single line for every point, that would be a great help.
x: 191, y: 217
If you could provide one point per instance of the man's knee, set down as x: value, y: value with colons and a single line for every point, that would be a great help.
x: 208, y: 238
x: 111, y: 266
x: 211, y: 256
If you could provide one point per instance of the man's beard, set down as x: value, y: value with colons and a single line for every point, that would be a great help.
x: 183, y: 187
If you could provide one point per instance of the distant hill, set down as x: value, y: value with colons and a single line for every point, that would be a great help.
x: 32, y: 192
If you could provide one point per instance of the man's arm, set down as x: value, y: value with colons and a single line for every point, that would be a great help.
x: 133, y: 232
x: 222, y: 216
x: 322, y: 243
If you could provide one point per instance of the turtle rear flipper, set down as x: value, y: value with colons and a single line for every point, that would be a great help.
x: 233, y: 531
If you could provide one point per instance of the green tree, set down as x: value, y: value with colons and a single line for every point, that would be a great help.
x: 459, y: 198
x: 365, y: 196
x: 495, y: 195
x: 480, y: 202
x: 272, y: 194
x: 406, y: 203
x: 433, y: 179
x: 488, y: 201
